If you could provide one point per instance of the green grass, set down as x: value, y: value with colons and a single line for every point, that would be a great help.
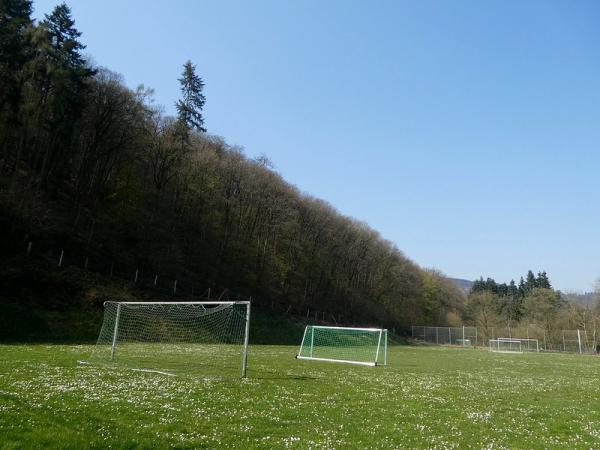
x: 428, y: 397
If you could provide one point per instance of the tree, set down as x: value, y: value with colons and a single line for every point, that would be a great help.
x: 542, y: 280
x: 541, y: 306
x: 58, y: 81
x: 481, y: 308
x: 15, y: 20
x: 189, y: 107
x: 531, y: 282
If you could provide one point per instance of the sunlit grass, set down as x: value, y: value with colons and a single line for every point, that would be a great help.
x: 427, y: 397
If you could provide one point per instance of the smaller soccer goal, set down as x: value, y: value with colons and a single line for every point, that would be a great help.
x: 364, y: 346
x: 513, y: 345
x: 505, y: 345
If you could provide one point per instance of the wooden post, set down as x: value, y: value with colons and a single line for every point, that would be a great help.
x: 60, y: 260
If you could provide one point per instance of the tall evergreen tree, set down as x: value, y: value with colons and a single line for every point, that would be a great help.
x: 531, y: 282
x: 15, y: 18
x: 543, y: 281
x: 522, y: 288
x: 64, y: 37
x: 189, y: 107
x: 61, y: 76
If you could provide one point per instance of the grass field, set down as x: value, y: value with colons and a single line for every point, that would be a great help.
x: 428, y: 397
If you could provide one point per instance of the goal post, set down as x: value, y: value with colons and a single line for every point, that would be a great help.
x: 204, y: 337
x: 363, y: 346
x: 505, y: 345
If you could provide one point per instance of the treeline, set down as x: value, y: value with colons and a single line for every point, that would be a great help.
x: 530, y: 305
x: 512, y: 289
x: 89, y: 164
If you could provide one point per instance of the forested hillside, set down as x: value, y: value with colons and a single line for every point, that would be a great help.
x: 93, y: 169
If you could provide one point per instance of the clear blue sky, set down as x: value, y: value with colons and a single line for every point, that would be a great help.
x: 466, y: 132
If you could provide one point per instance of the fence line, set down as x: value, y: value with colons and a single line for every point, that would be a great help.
x: 465, y: 336
x: 567, y: 341
x: 175, y: 286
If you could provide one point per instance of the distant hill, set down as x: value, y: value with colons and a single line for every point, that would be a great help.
x: 587, y: 299
x: 463, y: 285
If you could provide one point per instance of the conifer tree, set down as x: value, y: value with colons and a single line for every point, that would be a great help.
x: 189, y: 107
x: 15, y: 18
x: 531, y: 282
x: 543, y: 281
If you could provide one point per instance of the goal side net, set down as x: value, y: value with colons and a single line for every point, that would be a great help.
x: 175, y: 337
x: 365, y: 346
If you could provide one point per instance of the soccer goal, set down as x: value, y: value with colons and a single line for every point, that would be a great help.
x: 171, y: 337
x: 506, y: 345
x: 527, y: 345
x: 365, y: 346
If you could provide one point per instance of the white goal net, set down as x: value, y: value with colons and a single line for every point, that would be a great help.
x: 365, y: 346
x: 505, y: 345
x: 174, y: 337
x: 514, y: 345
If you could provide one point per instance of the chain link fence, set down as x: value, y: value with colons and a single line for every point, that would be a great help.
x: 568, y: 341
x: 463, y: 336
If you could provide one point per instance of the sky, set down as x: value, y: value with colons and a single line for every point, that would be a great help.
x: 466, y: 132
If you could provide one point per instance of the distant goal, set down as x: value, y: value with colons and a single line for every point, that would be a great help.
x: 364, y: 346
x: 514, y: 345
x: 175, y: 337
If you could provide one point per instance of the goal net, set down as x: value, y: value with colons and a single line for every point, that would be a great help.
x: 514, y: 345
x: 366, y: 346
x: 202, y: 337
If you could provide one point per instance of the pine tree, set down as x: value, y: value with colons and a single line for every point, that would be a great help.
x: 15, y: 18
x: 64, y: 37
x: 59, y: 78
x: 543, y: 281
x: 531, y: 282
x: 189, y: 107
x: 522, y: 289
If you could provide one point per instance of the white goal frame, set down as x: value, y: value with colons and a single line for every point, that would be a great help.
x: 380, y: 352
x: 495, y: 345
x: 215, y: 303
x: 524, y: 341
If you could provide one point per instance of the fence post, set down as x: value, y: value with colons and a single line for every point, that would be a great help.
x: 155, y: 279
x: 175, y: 287
x: 579, y: 340
x: 135, y: 278
x: 437, y: 337
x: 29, y: 248
x: 60, y: 260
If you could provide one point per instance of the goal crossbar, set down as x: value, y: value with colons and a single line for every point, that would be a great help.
x: 323, y: 327
x: 180, y: 303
